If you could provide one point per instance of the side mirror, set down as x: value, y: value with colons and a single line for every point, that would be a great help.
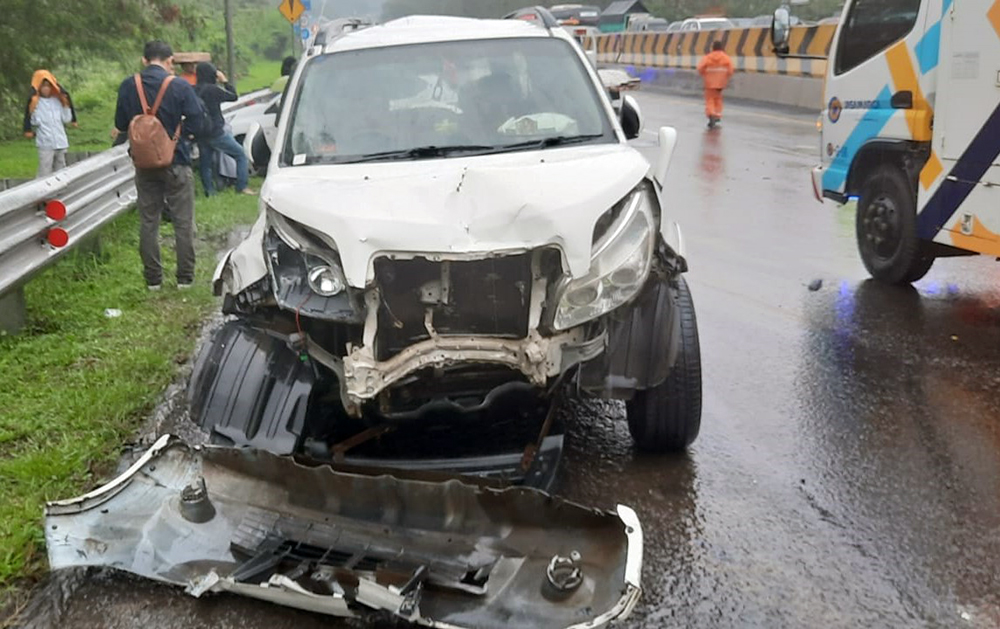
x: 781, y: 26
x: 668, y: 140
x: 631, y: 117
x: 255, y: 146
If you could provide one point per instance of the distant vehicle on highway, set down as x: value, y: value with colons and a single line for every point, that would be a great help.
x: 706, y: 24
x: 576, y: 14
x: 656, y: 24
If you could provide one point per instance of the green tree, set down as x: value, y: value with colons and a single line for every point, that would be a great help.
x: 73, y: 37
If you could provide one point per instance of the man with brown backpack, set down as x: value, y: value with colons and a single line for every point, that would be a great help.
x: 159, y: 114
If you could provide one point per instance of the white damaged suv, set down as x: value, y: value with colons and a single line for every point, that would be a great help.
x: 452, y: 216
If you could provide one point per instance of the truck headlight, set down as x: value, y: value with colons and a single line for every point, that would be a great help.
x: 619, y: 265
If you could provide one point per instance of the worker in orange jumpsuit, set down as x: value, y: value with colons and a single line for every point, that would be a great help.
x: 715, y: 68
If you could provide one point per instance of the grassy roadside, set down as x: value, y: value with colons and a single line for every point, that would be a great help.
x: 78, y: 383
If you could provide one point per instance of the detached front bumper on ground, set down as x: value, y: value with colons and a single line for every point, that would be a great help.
x: 438, y: 553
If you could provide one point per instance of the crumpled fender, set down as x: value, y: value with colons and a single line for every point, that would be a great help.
x: 244, y: 264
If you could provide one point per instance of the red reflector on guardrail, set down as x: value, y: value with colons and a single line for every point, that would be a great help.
x: 57, y: 237
x: 55, y: 209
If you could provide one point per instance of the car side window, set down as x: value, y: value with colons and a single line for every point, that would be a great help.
x: 871, y: 27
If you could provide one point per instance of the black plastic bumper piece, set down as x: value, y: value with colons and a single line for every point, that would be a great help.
x: 251, y: 389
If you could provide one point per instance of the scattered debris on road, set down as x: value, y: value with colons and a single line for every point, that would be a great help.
x: 433, y: 551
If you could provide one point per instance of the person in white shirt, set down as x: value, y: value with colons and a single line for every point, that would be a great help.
x: 49, y: 111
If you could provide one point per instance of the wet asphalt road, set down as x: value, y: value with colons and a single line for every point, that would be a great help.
x: 848, y: 468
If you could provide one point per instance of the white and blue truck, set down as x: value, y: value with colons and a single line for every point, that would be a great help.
x: 911, y: 129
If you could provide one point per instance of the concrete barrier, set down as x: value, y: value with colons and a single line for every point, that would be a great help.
x: 794, y: 91
x: 750, y: 49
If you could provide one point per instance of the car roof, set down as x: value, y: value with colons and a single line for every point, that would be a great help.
x: 420, y: 29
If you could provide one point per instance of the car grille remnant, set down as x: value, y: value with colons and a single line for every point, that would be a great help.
x: 479, y: 297
x: 425, y: 548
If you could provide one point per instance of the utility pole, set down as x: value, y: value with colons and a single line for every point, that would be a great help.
x: 230, y: 53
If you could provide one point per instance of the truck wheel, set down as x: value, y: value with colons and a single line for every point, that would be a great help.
x: 667, y: 417
x: 886, y: 226
x: 919, y: 269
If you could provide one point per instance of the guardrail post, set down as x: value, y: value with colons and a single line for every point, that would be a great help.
x: 90, y: 247
x: 12, y: 313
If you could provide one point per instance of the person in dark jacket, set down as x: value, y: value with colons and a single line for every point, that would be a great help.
x: 216, y: 138
x: 171, y: 187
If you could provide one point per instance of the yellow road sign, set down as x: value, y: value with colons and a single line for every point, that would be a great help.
x: 291, y: 9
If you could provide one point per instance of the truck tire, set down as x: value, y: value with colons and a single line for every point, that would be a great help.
x: 886, y: 227
x: 667, y: 417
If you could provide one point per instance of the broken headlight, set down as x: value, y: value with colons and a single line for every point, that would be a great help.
x: 620, y: 261
x: 306, y: 272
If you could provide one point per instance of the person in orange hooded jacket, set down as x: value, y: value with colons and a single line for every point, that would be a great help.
x: 48, y: 109
x: 715, y: 68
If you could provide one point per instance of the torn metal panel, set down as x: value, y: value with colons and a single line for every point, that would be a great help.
x: 458, y: 206
x: 439, y: 554
x: 537, y: 357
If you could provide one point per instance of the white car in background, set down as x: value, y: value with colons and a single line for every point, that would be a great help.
x: 705, y: 24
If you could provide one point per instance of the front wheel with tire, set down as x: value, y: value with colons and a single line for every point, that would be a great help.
x: 667, y: 417
x: 886, y: 226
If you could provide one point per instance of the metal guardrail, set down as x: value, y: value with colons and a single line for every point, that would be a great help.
x: 40, y: 221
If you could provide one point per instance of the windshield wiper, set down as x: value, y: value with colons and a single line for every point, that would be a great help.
x: 418, y: 152
x: 556, y: 140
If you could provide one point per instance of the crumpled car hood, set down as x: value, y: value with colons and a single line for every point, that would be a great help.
x: 439, y: 554
x: 505, y: 202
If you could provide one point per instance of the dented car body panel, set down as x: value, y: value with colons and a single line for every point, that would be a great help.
x: 452, y: 216
x: 460, y: 206
x: 438, y: 554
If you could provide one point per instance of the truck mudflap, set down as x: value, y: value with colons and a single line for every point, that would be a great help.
x: 437, y: 553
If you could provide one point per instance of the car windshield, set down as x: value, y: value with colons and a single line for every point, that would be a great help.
x: 443, y: 99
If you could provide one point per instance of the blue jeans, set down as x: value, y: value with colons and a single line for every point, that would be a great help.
x: 227, y: 144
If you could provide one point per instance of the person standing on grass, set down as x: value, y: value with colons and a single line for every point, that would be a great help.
x: 214, y: 89
x: 715, y: 68
x: 48, y: 110
x: 180, y: 112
